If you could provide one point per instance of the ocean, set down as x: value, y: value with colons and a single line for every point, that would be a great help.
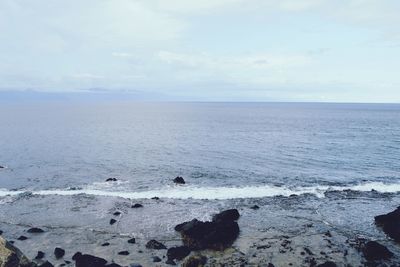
x: 223, y: 150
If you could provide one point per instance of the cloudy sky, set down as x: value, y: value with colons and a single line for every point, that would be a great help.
x: 285, y: 50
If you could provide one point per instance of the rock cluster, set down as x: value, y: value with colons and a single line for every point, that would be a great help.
x: 217, y: 234
x: 390, y: 224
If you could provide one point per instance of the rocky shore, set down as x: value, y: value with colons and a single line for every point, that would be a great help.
x: 346, y: 228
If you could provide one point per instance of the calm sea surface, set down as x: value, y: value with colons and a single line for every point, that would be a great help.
x: 60, y: 145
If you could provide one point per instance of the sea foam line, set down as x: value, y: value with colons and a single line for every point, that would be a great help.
x: 185, y: 192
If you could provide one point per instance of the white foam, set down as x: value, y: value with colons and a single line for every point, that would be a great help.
x: 185, y: 192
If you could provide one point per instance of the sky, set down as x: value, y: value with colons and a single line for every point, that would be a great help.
x: 223, y: 50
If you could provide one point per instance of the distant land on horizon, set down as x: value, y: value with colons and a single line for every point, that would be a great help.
x: 135, y: 95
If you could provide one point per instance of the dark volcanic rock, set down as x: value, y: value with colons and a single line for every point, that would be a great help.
x: 111, y: 180
x: 35, y: 230
x: 153, y: 244
x: 170, y: 262
x: 218, y: 234
x: 123, y: 253
x: 117, y: 213
x: 1, y: 232
x: 156, y: 259
x: 87, y: 260
x: 195, y: 261
x: 59, y: 253
x: 46, y: 264
x: 113, y: 265
x: 327, y: 264
x: 137, y: 205
x: 178, y: 253
x: 227, y: 215
x: 2, y: 167
x: 112, y: 221
x: 375, y: 251
x: 390, y: 224
x: 105, y: 244
x: 179, y: 180
x: 40, y: 255
x: 22, y: 238
x: 155, y: 198
x: 132, y: 240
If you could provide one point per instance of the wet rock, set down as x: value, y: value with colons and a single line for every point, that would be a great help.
x: 155, y: 198
x: 375, y: 251
x: 35, y: 230
x: 1, y: 232
x: 59, y: 253
x: 218, y: 234
x: 112, y: 221
x: 170, y: 262
x: 2, y: 167
x: 178, y: 253
x: 113, y: 265
x: 137, y: 205
x: 111, y: 179
x: 154, y: 244
x: 117, y: 213
x: 270, y: 265
x: 390, y: 224
x: 195, y: 261
x: 255, y: 207
x: 227, y: 215
x: 179, y: 180
x: 106, y: 244
x: 132, y: 240
x: 156, y: 259
x: 11, y: 256
x: 327, y: 264
x: 40, y: 255
x: 22, y: 238
x: 86, y: 260
x: 46, y: 264
x: 124, y: 253
x: 135, y: 265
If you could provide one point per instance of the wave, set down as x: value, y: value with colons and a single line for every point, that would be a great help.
x: 218, y: 193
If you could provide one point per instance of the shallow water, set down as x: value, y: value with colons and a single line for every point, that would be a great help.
x: 260, y: 148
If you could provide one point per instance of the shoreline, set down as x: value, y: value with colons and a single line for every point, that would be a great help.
x: 282, y: 231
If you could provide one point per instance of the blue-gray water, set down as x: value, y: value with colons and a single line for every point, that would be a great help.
x: 56, y: 145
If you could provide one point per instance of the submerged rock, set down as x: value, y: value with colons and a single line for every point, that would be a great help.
x: 375, y: 251
x: 106, y: 244
x: 12, y: 256
x: 390, y: 224
x: 218, y: 234
x: 124, y: 253
x: 111, y: 179
x: 156, y: 259
x: 179, y: 180
x: 35, y: 230
x: 86, y: 260
x: 154, y: 244
x: 178, y: 253
x: 195, y: 261
x: 59, y: 253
